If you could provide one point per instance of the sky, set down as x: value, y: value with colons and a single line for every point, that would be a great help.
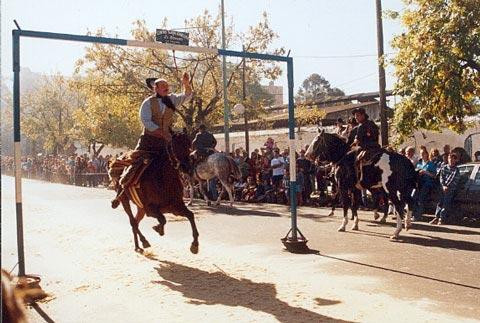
x: 334, y: 38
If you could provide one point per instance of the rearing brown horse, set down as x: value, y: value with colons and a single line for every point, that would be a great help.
x: 161, y: 191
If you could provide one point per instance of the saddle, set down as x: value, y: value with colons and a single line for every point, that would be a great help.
x: 125, y: 173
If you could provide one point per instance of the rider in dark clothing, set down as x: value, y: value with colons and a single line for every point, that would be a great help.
x: 365, y: 135
x: 204, y: 141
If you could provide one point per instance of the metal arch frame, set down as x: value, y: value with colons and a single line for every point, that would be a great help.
x: 17, y: 33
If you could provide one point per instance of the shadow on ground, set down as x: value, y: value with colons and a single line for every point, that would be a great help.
x: 425, y: 240
x: 206, y: 288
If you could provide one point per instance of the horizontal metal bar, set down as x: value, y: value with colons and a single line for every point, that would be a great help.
x: 143, y: 44
x: 80, y: 38
x: 114, y: 41
x: 269, y: 57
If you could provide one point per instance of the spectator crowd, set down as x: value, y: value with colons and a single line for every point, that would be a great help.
x: 265, y: 176
x: 80, y: 170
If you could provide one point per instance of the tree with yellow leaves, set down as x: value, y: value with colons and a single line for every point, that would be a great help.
x: 437, y: 65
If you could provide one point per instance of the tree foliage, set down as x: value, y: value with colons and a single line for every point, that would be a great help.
x: 116, y: 75
x: 48, y: 113
x: 437, y: 65
x: 308, y: 115
x: 316, y: 87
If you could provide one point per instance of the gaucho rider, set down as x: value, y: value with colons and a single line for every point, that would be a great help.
x: 204, y: 143
x: 365, y: 135
x: 156, y: 114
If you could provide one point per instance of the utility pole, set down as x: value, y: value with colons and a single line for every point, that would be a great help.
x: 226, y: 111
x: 381, y: 76
x: 247, y: 140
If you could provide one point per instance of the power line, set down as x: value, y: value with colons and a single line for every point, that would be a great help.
x: 357, y: 79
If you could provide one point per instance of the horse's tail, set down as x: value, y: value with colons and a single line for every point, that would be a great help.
x: 234, y: 169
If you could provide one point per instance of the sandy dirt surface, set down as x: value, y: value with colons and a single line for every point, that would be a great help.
x: 84, y: 252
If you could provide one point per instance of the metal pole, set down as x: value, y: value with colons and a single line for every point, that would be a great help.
x: 291, y: 134
x: 17, y: 150
x: 247, y: 140
x: 226, y: 112
x: 381, y: 76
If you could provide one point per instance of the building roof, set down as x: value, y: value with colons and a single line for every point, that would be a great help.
x: 361, y: 97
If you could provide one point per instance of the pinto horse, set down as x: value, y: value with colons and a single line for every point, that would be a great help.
x: 160, y: 191
x: 388, y: 170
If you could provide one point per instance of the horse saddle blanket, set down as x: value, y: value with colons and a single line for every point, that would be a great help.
x: 128, y: 168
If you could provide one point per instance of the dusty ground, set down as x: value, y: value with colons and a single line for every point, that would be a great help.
x: 84, y: 252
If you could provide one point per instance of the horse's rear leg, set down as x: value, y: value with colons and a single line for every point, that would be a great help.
x: 229, y: 189
x: 182, y: 210
x: 221, y: 194
x: 202, y: 190
x: 406, y: 197
x: 155, y: 213
x: 399, y: 209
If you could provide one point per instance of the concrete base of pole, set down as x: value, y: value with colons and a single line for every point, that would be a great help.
x: 296, y: 243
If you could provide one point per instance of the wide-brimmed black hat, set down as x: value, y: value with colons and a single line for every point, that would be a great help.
x: 359, y: 110
x: 149, y: 82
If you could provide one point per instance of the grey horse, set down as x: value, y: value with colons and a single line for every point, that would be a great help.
x: 217, y: 165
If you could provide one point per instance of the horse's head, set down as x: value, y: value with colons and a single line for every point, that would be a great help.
x: 327, y: 147
x: 181, y: 144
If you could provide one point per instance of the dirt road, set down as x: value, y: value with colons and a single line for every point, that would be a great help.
x: 84, y: 252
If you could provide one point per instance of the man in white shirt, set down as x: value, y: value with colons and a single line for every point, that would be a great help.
x: 278, y: 167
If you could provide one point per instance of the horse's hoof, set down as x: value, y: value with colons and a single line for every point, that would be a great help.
x: 209, y: 203
x: 376, y: 215
x: 159, y: 228
x: 341, y: 229
x: 331, y: 213
x: 139, y: 250
x: 115, y: 203
x: 394, y: 238
x: 146, y: 244
x: 194, y: 248
x: 217, y: 203
x: 355, y: 228
x: 383, y: 220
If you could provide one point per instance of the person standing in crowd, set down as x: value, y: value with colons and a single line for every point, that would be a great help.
x: 308, y: 171
x: 278, y: 168
x: 476, y: 156
x: 436, y: 158
x: 427, y: 171
x: 449, y: 178
x: 446, y: 151
x: 410, y: 153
